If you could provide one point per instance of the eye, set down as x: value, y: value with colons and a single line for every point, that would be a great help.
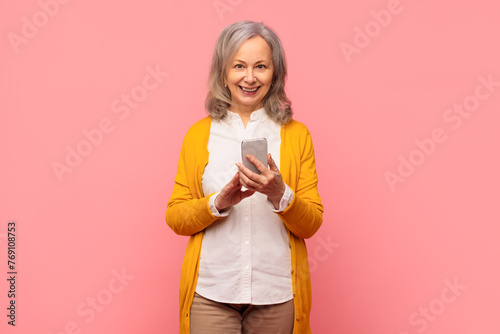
x: 238, y: 66
x: 261, y: 66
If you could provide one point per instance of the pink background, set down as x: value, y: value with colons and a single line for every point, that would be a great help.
x: 385, y: 255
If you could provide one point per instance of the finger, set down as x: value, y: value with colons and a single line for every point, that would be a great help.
x: 246, y: 171
x: 249, y: 183
x: 260, y: 166
x: 231, y: 186
x: 271, y: 163
x: 246, y: 182
x: 235, y: 179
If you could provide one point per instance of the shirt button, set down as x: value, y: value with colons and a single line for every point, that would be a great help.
x: 247, y: 242
x: 246, y: 267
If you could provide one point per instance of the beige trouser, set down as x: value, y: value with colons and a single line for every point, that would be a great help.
x: 211, y: 317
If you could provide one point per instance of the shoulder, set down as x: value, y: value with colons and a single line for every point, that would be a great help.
x: 199, y: 130
x: 295, y: 130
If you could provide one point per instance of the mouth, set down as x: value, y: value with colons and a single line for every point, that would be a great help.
x: 249, y: 91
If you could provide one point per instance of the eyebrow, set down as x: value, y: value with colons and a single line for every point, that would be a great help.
x: 242, y: 61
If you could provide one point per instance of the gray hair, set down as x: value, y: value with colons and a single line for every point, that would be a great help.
x: 218, y: 100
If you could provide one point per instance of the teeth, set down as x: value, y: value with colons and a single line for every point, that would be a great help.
x: 249, y: 90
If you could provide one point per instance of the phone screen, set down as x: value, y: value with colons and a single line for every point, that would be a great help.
x: 256, y: 147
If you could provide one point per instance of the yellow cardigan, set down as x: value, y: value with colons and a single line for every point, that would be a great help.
x: 188, y: 212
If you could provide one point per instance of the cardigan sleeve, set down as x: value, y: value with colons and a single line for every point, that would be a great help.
x: 304, y: 216
x: 188, y: 211
x: 187, y: 215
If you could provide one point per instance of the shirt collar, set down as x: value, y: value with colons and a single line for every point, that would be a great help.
x: 257, y: 115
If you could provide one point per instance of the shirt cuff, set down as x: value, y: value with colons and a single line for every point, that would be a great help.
x: 285, y: 201
x: 213, y: 209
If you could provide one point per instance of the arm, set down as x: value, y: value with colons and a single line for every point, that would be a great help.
x: 187, y: 215
x: 188, y: 211
x: 304, y: 216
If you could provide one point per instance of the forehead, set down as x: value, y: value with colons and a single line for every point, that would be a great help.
x: 253, y: 49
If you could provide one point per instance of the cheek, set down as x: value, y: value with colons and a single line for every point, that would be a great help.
x: 232, y: 77
x: 268, y: 79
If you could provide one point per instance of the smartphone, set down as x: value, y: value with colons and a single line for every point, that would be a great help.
x: 256, y: 147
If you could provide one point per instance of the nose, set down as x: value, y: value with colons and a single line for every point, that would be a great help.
x: 250, y: 77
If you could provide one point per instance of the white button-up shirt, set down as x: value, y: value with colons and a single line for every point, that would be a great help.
x: 245, y: 256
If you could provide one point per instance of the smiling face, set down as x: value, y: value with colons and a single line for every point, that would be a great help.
x: 249, y: 75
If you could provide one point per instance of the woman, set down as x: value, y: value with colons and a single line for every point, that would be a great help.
x: 245, y: 269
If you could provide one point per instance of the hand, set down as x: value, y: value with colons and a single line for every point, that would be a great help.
x: 231, y: 194
x: 269, y: 182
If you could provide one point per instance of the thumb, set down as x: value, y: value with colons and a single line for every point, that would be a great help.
x: 271, y: 163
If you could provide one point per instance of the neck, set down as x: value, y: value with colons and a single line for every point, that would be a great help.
x: 245, y: 114
x: 245, y: 117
